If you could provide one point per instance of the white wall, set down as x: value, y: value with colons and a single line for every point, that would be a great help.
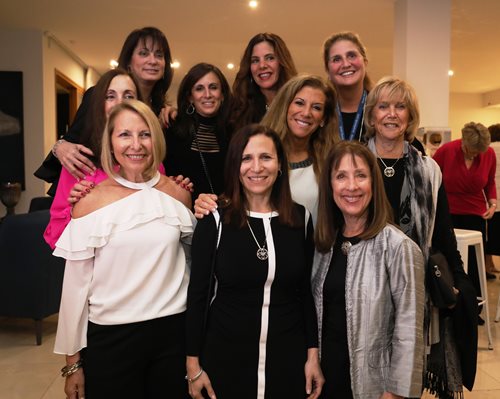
x: 32, y: 53
x: 465, y: 107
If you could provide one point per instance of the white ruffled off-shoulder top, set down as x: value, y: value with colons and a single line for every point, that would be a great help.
x: 126, y: 262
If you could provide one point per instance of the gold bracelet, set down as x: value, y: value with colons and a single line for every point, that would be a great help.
x: 191, y: 380
x: 66, y: 371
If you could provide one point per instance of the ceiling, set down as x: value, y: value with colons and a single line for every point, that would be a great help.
x: 217, y: 31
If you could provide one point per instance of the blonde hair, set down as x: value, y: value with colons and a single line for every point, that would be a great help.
x: 476, y: 136
x: 108, y: 160
x: 393, y: 87
x: 324, y: 138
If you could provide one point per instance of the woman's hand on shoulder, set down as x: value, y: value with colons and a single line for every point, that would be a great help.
x: 74, y: 157
x: 80, y: 190
x: 167, y: 115
x: 204, y: 204
x: 313, y: 373
x: 184, y: 182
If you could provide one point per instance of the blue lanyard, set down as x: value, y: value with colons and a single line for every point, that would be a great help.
x: 359, y: 115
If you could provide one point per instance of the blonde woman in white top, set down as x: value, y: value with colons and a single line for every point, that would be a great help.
x: 121, y: 321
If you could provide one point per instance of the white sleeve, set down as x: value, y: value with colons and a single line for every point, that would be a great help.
x: 74, y: 310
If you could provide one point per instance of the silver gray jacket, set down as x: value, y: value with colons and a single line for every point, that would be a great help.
x: 385, y: 299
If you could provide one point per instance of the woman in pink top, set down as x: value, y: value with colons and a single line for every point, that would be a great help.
x: 468, y: 166
x: 114, y: 86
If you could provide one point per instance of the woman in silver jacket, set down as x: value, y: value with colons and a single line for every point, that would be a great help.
x: 368, y: 285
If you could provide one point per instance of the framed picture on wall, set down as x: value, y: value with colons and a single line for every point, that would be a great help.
x: 11, y: 128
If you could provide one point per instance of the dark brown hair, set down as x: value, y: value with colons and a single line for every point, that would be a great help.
x: 234, y: 201
x: 96, y: 117
x: 494, y: 132
x: 330, y: 218
x: 160, y: 88
x: 249, y: 104
x: 184, y: 122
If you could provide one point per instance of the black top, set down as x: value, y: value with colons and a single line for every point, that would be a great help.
x: 335, y: 352
x: 183, y: 157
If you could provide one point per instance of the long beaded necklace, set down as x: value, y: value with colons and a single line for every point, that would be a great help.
x: 262, y: 252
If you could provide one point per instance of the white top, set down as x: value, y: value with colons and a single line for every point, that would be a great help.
x: 496, y: 147
x: 305, y: 191
x: 124, y: 265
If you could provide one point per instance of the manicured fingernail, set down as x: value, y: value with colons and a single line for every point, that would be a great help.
x: 87, y: 190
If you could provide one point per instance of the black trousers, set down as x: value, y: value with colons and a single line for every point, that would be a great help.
x: 472, y: 222
x: 142, y: 360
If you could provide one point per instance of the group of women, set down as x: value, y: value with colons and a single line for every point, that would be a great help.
x: 304, y: 276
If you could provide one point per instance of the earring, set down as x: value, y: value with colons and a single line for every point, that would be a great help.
x: 322, y: 124
x: 251, y: 79
x: 190, y: 109
x: 279, y: 172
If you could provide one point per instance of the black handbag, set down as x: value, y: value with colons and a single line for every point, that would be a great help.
x: 440, y: 281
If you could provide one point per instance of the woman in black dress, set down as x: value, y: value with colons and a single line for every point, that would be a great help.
x: 260, y: 337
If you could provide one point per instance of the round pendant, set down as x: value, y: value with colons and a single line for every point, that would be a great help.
x: 345, y: 247
x: 262, y: 254
x: 389, y: 171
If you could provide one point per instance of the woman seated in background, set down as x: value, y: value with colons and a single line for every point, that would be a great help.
x: 259, y: 339
x: 146, y: 55
x: 197, y: 141
x: 469, y: 165
x: 266, y: 65
x: 121, y: 322
x: 303, y: 115
x: 368, y: 285
x: 112, y: 88
x: 416, y: 194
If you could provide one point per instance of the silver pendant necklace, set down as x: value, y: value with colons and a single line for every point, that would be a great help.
x: 389, y: 170
x: 261, y: 253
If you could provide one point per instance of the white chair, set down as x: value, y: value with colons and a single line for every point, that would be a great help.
x: 465, y: 238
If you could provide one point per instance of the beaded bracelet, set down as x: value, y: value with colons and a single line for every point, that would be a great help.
x: 66, y: 371
x: 54, y: 148
x: 191, y: 380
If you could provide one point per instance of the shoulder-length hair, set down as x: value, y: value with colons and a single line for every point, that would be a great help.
x: 108, y: 161
x: 394, y: 88
x: 330, y: 218
x: 95, y: 120
x: 158, y: 95
x: 234, y: 202
x: 184, y: 123
x: 325, y: 137
x: 354, y: 39
x: 476, y: 136
x: 249, y: 104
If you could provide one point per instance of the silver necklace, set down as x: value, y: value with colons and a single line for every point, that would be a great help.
x: 261, y: 253
x: 389, y: 170
x: 345, y: 247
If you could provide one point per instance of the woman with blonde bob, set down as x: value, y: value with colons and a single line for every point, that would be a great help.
x: 415, y: 191
x: 126, y: 276
x: 368, y: 285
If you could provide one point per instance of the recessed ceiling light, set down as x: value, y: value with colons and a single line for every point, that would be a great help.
x: 113, y: 64
x: 230, y: 66
x: 451, y: 73
x: 253, y: 4
x: 175, y: 64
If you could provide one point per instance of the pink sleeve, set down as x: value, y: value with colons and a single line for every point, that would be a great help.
x: 60, y: 211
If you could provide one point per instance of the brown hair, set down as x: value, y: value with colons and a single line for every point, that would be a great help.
x: 234, y: 201
x: 322, y: 140
x: 476, y: 136
x: 354, y: 39
x: 108, y: 161
x: 249, y: 104
x: 95, y: 120
x: 394, y: 88
x: 330, y: 218
x: 142, y: 35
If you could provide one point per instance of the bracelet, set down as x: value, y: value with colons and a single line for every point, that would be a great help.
x: 191, y: 380
x: 66, y: 371
x: 54, y: 148
x: 493, y: 205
